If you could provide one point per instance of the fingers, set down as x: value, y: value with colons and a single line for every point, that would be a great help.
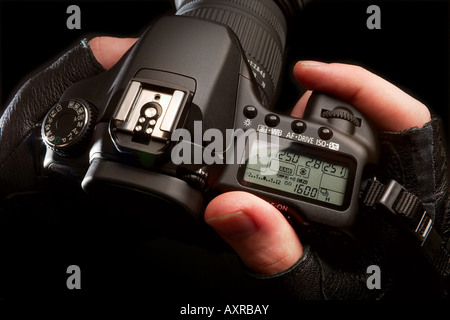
x: 109, y: 50
x: 258, y: 232
x: 388, y: 106
x: 300, y: 106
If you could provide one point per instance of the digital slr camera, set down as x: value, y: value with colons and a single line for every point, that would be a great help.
x: 187, y: 114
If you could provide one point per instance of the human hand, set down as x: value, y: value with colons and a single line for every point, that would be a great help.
x: 261, y: 236
x: 390, y: 108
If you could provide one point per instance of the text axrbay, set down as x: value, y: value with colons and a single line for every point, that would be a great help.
x: 236, y: 309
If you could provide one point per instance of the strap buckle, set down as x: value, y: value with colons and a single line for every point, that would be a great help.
x: 407, y: 206
x: 424, y: 227
x: 430, y: 240
x: 390, y: 195
x: 389, y: 199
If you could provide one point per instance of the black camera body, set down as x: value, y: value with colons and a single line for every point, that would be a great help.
x: 185, y: 115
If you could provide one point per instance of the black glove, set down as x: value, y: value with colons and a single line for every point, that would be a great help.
x: 19, y: 124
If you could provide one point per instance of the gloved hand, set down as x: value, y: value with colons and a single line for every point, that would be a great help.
x: 19, y: 163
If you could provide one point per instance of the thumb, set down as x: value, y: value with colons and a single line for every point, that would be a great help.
x: 259, y: 233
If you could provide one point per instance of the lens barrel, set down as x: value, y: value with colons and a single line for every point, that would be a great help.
x: 259, y: 25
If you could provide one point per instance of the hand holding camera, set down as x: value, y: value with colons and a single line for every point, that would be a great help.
x: 242, y: 218
x: 273, y: 232
x: 109, y: 143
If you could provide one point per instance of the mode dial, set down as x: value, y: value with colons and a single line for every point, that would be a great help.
x: 67, y: 125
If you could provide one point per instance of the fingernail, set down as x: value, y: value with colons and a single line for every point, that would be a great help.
x: 234, y: 226
x: 310, y: 63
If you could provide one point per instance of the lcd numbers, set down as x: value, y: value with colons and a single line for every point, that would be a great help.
x: 295, y: 173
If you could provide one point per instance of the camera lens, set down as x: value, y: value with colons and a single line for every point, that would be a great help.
x: 260, y: 27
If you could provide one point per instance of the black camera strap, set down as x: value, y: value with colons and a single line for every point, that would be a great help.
x: 409, y: 208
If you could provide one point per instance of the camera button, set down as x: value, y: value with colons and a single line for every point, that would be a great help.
x: 298, y: 126
x: 272, y: 120
x: 325, y: 133
x: 250, y: 112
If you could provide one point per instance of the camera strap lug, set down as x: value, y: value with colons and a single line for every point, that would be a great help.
x: 406, y: 205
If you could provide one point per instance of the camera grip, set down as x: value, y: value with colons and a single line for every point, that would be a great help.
x: 109, y: 179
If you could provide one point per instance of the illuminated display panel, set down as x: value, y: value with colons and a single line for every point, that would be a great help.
x: 297, y: 172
